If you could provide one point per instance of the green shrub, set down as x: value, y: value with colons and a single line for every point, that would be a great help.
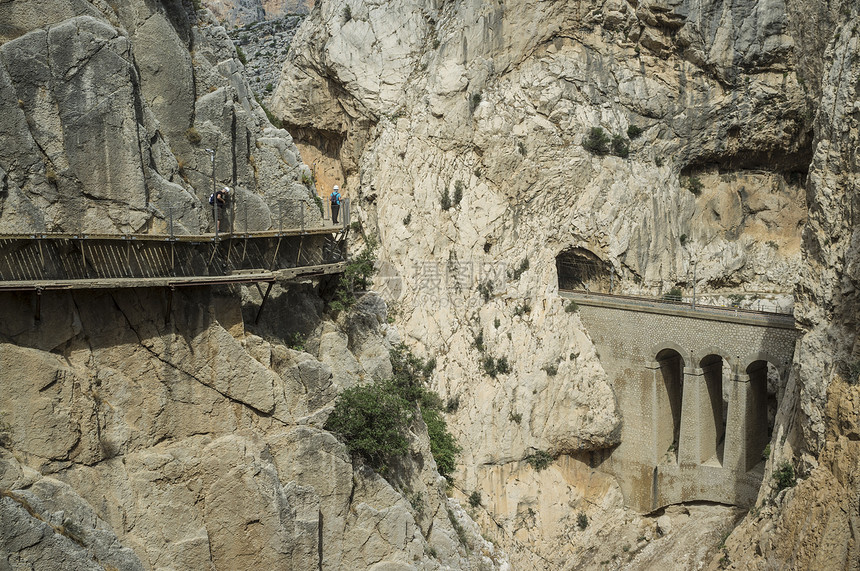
x: 765, y: 454
x: 458, y: 529
x: 474, y: 101
x: 475, y: 499
x: 694, y: 185
x: 658, y: 161
x: 597, y: 142
x: 347, y: 14
x: 515, y: 274
x: 241, y: 55
x: 357, y: 276
x: 540, y: 460
x: 296, y: 341
x: 683, y: 239
x: 373, y: 420
x: 497, y: 322
x: 522, y: 309
x: 479, y: 342
x: 502, y: 365
x: 458, y: 192
x: 453, y: 404
x: 521, y: 147
x: 443, y: 445
x: 784, y: 476
x: 582, y: 520
x: 269, y: 115
x: 673, y: 294
x: 486, y: 290
x: 494, y: 367
x: 571, y: 307
x: 634, y: 131
x: 620, y: 148
x: 515, y: 417
x: 445, y: 200
x: 551, y: 369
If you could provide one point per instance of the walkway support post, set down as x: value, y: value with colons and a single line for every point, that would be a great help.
x: 263, y: 303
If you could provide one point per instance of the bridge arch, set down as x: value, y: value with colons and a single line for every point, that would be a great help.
x: 713, y: 411
x: 751, y: 358
x: 670, y: 345
x: 761, y: 402
x: 669, y: 398
x: 703, y: 352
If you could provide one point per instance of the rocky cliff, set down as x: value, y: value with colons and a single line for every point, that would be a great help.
x: 242, y: 12
x: 464, y: 132
x: 109, y: 113
x: 141, y: 429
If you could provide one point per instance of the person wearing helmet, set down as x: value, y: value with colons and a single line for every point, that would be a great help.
x: 335, y: 203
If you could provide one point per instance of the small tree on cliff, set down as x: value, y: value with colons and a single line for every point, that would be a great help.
x: 357, y: 276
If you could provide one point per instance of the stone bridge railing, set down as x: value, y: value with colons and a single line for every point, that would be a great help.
x: 697, y: 390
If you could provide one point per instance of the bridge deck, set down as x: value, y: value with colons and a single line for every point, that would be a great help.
x: 665, y: 307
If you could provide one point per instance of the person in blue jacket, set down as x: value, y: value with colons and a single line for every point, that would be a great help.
x: 335, y: 203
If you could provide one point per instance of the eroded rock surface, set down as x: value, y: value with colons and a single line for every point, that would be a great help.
x: 144, y: 440
x: 463, y: 139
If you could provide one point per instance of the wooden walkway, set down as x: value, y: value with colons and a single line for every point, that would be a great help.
x: 52, y: 261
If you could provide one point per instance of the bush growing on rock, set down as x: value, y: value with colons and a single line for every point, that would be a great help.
x: 620, y: 148
x: 375, y: 419
x: 597, y: 141
x: 784, y: 476
x: 540, y: 460
x: 356, y: 276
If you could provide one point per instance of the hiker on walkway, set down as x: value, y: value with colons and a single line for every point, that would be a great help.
x: 219, y: 199
x: 335, y: 203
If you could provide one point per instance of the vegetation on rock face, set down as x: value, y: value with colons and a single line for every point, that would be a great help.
x: 582, y: 520
x: 620, y: 148
x: 356, y: 276
x: 784, y: 476
x: 597, y: 141
x: 694, y: 185
x: 475, y: 499
x: 374, y: 419
x: 673, y: 294
x: 540, y: 460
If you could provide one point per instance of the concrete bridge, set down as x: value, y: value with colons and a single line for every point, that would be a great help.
x: 697, y: 390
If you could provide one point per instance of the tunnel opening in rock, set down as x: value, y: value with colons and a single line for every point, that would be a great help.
x: 580, y: 269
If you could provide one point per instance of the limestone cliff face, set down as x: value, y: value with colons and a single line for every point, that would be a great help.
x: 144, y: 439
x: 142, y: 430
x: 489, y: 105
x: 241, y: 12
x: 106, y: 115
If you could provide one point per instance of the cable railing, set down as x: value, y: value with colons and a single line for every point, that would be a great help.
x: 289, y: 218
